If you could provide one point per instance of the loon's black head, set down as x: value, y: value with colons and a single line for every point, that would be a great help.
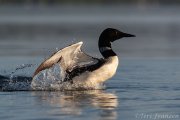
x: 107, y: 36
x: 111, y: 34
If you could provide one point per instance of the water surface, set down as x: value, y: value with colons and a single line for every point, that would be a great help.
x: 141, y: 86
x: 146, y: 85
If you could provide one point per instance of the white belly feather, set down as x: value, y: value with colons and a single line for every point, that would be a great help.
x: 100, y: 75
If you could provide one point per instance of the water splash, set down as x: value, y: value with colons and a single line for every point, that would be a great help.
x: 53, y: 79
x: 21, y: 68
x: 48, y: 79
x: 18, y: 79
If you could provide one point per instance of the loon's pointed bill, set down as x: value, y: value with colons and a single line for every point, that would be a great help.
x: 128, y: 35
x: 81, y: 71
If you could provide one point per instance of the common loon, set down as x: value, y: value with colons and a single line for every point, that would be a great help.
x: 82, y: 71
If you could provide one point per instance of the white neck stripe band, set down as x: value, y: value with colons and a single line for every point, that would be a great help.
x: 103, y: 49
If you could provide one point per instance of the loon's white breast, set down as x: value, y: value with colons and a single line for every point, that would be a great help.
x: 100, y: 75
x: 79, y: 70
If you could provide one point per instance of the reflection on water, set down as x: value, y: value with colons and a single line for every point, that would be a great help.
x: 78, y: 102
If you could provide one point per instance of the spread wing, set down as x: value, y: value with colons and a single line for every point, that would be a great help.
x: 68, y: 58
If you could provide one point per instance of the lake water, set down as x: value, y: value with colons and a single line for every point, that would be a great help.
x: 141, y: 88
x: 145, y: 87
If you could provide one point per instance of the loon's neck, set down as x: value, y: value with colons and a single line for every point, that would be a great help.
x: 105, y: 48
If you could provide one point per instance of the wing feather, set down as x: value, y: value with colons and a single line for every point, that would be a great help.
x: 68, y: 58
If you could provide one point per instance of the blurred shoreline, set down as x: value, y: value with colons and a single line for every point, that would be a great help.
x: 106, y: 2
x: 39, y: 30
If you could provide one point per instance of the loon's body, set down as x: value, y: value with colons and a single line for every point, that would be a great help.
x: 99, y: 75
x: 80, y: 70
